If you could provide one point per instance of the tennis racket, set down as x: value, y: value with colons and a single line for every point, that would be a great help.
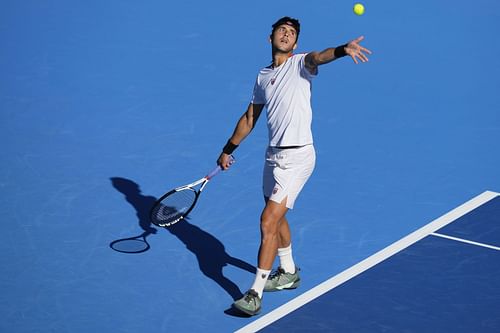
x: 176, y: 204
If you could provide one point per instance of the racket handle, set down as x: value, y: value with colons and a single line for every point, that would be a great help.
x: 218, y: 169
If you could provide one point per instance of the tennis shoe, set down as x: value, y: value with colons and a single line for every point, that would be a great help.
x: 250, y: 303
x: 280, y: 280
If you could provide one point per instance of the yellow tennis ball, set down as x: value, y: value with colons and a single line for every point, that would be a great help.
x: 359, y: 9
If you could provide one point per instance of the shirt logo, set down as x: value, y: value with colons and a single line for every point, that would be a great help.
x: 273, y: 80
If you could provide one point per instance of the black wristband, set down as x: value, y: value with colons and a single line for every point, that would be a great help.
x: 340, y: 51
x: 229, y: 147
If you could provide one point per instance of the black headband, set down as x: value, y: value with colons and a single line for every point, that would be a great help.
x: 288, y: 21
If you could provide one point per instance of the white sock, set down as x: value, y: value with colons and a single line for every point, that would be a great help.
x: 260, y: 281
x: 286, y: 259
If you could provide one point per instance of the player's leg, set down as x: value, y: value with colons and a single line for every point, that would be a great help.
x: 287, y: 275
x: 273, y: 212
x: 270, y: 227
x: 283, y: 177
x: 294, y: 178
x: 285, y: 245
x: 284, y: 235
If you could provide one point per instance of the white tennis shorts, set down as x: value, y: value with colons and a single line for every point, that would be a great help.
x: 286, y: 171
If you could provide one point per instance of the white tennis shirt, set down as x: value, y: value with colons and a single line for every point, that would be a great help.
x: 286, y: 93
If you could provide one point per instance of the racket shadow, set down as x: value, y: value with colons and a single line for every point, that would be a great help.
x: 137, y: 244
x: 141, y: 204
x: 209, y: 251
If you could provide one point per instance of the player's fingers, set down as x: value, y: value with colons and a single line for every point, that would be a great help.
x: 365, y: 50
x: 227, y: 164
x: 222, y: 164
x: 354, y: 59
x: 359, y: 39
x: 363, y: 57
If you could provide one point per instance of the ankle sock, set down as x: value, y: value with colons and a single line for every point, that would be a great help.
x: 260, y: 281
x: 286, y: 259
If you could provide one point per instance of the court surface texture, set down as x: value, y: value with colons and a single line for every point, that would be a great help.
x: 106, y: 105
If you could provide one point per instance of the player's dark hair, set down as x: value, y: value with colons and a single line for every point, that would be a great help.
x: 287, y: 21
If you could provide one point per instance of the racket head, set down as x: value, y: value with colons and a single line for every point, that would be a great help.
x: 173, y: 206
x: 130, y: 245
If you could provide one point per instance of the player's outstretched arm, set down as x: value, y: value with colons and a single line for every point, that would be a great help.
x: 352, y: 49
x: 244, y: 126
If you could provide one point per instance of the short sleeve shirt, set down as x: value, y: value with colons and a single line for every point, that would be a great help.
x: 286, y: 93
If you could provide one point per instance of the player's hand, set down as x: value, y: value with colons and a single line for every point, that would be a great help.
x: 356, y: 51
x: 225, y: 161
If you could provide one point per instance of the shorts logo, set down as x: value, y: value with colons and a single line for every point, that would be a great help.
x: 275, y: 190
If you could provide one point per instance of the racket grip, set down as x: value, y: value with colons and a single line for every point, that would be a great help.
x: 218, y: 169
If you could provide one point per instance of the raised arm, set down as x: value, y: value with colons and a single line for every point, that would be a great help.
x: 352, y: 49
x: 244, y: 126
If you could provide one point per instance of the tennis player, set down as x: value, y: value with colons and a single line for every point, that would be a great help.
x: 284, y: 89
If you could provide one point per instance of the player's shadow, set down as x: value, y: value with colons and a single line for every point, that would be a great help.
x: 140, y: 203
x: 210, y: 252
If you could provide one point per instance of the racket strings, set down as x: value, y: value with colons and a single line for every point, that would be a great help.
x: 173, y: 207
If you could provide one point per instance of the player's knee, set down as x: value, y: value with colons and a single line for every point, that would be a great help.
x: 269, y: 225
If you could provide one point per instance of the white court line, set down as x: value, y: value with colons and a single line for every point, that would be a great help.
x: 466, y: 241
x: 366, y: 264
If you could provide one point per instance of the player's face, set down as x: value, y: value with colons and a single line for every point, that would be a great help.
x: 284, y: 38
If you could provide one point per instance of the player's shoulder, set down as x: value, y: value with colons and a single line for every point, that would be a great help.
x: 266, y: 70
x: 299, y: 56
x: 297, y: 59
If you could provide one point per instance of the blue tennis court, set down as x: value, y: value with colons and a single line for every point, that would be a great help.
x: 441, y: 278
x: 105, y: 105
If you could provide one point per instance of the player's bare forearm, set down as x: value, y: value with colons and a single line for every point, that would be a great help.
x: 315, y: 59
x: 245, y: 125
x: 323, y: 57
x: 243, y: 128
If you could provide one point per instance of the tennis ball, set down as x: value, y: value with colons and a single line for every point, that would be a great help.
x: 359, y: 9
